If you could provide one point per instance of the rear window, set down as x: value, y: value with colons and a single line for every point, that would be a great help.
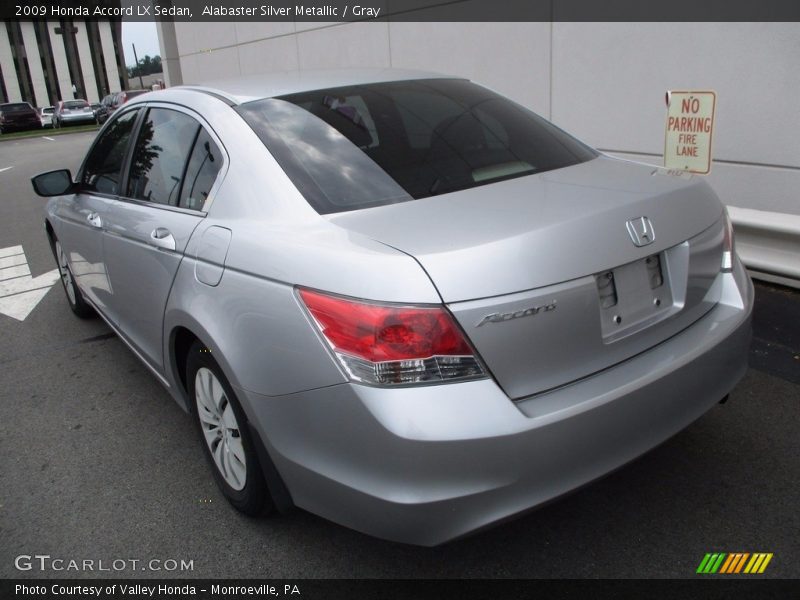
x: 76, y: 104
x: 15, y: 107
x: 369, y: 145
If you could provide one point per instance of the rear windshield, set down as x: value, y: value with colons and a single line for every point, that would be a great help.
x: 16, y: 107
x: 369, y: 145
x: 76, y: 104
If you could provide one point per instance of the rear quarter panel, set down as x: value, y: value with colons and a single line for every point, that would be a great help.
x: 252, y: 320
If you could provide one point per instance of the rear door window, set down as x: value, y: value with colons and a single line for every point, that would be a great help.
x: 175, y: 162
x: 162, y: 150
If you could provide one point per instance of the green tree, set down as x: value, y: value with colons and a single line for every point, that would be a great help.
x: 147, y: 66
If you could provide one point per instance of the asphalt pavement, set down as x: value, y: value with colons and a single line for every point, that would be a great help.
x: 98, y: 463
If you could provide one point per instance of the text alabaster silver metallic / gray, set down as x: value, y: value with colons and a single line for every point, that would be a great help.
x: 571, y: 393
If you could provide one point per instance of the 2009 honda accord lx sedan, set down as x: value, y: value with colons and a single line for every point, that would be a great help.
x: 397, y: 299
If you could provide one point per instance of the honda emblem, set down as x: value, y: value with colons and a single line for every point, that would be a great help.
x: 641, y: 231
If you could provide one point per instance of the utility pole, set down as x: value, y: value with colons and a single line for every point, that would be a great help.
x: 138, y: 68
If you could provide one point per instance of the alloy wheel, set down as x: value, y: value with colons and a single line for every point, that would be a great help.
x: 220, y: 428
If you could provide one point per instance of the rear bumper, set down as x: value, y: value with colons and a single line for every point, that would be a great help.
x: 21, y: 125
x: 429, y: 464
x: 79, y: 118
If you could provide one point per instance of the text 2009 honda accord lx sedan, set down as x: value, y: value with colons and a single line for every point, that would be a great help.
x: 397, y: 299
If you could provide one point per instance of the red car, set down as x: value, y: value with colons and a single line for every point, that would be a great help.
x: 121, y: 98
x: 17, y: 116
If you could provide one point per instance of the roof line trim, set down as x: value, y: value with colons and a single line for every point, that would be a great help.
x: 226, y: 98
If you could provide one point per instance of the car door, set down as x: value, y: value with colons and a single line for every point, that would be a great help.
x: 173, y: 166
x: 81, y: 218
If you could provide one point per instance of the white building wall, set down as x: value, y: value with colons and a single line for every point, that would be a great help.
x: 330, y: 47
x: 511, y: 58
x: 608, y: 89
x: 34, y: 63
x: 85, y: 56
x: 110, y: 58
x: 168, y: 50
x: 60, y: 65
x: 60, y: 61
x: 7, y: 64
x: 603, y: 82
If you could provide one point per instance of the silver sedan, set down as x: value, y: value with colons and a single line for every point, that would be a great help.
x: 397, y: 299
x: 70, y: 112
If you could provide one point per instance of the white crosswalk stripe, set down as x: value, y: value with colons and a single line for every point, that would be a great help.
x: 19, y: 291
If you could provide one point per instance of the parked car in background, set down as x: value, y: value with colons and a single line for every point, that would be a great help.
x: 95, y: 108
x: 103, y: 111
x: 398, y: 299
x: 18, y: 116
x: 46, y: 115
x: 121, y: 98
x: 73, y: 112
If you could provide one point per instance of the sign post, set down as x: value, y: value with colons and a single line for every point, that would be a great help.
x: 690, y: 125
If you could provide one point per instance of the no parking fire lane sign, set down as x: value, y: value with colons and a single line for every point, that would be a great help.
x: 690, y: 125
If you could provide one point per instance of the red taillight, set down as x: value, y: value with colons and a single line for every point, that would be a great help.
x: 385, y: 344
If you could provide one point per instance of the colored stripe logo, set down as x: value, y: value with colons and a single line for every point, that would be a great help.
x: 734, y: 563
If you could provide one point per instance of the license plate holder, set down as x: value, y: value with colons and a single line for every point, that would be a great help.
x: 643, y: 297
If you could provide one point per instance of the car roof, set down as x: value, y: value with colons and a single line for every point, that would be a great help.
x: 243, y: 89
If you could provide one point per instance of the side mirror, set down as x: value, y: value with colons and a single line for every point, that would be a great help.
x: 54, y: 183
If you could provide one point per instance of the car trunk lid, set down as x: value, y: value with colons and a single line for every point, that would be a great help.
x: 543, y: 274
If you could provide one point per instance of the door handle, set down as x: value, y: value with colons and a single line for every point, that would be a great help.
x: 94, y: 220
x: 161, y: 237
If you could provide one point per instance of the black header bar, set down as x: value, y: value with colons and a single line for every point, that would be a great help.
x: 407, y: 10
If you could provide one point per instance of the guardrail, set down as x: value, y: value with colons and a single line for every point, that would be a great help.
x: 768, y: 243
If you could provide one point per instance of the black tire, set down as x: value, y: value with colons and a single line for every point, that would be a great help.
x: 77, y: 304
x: 253, y: 498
